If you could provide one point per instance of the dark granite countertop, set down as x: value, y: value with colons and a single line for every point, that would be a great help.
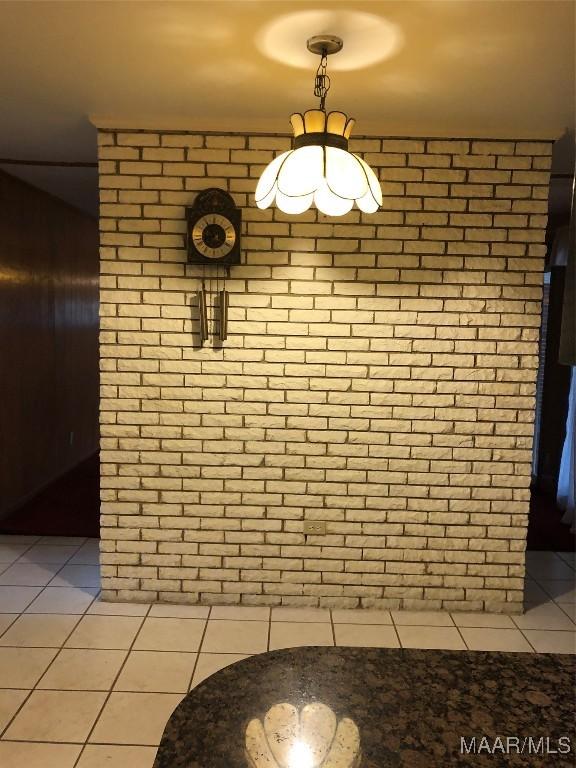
x: 409, y: 708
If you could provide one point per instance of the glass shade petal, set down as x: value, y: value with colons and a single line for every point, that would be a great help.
x: 344, y: 174
x: 302, y: 172
x: 336, y: 123
x: 268, y: 178
x: 367, y: 204
x: 329, y: 203
x: 314, y: 121
x: 297, y: 121
x: 375, y: 187
x: 269, y: 199
x: 294, y: 204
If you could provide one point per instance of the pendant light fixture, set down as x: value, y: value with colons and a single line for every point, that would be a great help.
x: 319, y: 169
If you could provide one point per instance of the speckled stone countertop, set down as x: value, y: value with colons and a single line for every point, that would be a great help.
x: 411, y: 707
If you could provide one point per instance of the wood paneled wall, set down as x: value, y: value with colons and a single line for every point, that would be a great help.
x: 48, y: 339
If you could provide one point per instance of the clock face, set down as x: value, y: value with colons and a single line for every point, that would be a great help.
x: 213, y: 235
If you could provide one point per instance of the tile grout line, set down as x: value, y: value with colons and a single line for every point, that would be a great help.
x: 22, y: 613
x: 82, y: 648
x: 431, y: 626
x: 34, y: 687
x: 96, y: 690
x: 567, y: 614
x: 458, y: 629
x: 77, y: 744
x: 547, y: 591
x: 64, y: 564
x: 395, y: 629
x: 524, y: 636
x: 332, y: 625
x: 14, y: 620
x: 44, y: 587
x: 571, y: 565
x: 111, y: 690
x: 27, y: 605
x: 33, y: 544
x: 530, y: 606
x: 13, y: 562
x: 199, y: 651
x: 77, y: 548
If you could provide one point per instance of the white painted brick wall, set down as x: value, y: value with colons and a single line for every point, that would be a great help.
x: 379, y: 375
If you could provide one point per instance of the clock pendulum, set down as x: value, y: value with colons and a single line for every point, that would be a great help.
x: 202, y: 312
x: 213, y: 229
x: 222, y: 309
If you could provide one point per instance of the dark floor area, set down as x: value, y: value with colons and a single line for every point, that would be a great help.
x: 546, y: 532
x: 70, y: 506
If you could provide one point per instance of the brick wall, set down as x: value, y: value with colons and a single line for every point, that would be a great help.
x: 379, y: 375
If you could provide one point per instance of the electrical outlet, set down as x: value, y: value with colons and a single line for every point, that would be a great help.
x: 314, y: 528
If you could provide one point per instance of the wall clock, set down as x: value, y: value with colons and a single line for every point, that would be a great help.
x: 213, y: 229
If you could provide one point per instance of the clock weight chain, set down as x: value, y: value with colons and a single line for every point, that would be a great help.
x: 223, y: 307
x: 203, y: 310
x: 213, y: 314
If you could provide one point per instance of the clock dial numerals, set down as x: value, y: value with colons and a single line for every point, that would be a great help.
x: 214, y: 229
x: 214, y: 236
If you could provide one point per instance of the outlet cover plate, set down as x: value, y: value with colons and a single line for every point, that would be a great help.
x: 314, y: 528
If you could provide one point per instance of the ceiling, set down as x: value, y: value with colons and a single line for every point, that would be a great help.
x: 494, y: 68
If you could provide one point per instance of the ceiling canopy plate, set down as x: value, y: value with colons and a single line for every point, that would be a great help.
x: 324, y: 45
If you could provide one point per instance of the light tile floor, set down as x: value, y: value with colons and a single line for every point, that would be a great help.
x: 85, y: 684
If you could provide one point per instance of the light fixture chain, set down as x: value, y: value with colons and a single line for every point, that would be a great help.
x: 322, y: 81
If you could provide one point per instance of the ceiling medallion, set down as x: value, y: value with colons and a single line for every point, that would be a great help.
x: 319, y: 169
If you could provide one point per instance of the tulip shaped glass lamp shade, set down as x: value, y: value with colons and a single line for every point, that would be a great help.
x: 319, y: 170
